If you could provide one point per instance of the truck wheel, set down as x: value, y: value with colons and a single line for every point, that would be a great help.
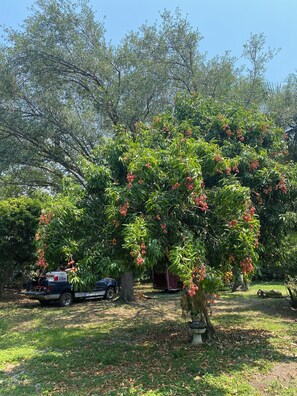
x: 65, y: 299
x: 110, y: 293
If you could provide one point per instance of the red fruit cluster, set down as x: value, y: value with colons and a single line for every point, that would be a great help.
x: 282, y: 186
x: 139, y: 254
x: 193, y: 290
x: 248, y: 215
x: 231, y: 258
x: 202, y: 273
x: 233, y: 223
x: 239, y: 135
x: 41, y: 262
x: 217, y: 158
x: 143, y: 249
x: 148, y: 165
x: 235, y: 168
x: 189, y: 133
x: 201, y: 202
x: 229, y: 133
x: 175, y: 186
x: 45, y: 218
x: 70, y: 263
x: 124, y: 208
x: 212, y: 298
x: 252, y: 210
x: 130, y: 177
x: 199, y: 273
x: 139, y: 260
x: 247, y: 265
x: 228, y: 170
x: 254, y: 165
x: 189, y: 183
x: 114, y: 242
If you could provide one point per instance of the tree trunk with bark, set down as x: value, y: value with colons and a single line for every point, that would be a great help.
x: 210, y: 330
x: 127, y: 287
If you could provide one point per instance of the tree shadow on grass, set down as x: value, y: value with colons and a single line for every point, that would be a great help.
x: 135, y: 355
x: 277, y: 307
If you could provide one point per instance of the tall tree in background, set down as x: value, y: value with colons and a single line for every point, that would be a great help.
x: 62, y: 85
x: 282, y: 104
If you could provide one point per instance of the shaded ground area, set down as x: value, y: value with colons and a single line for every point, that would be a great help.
x: 102, y: 348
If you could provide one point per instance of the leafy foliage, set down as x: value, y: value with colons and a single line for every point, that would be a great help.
x: 189, y: 191
x: 18, y: 223
x: 255, y: 151
x: 63, y: 85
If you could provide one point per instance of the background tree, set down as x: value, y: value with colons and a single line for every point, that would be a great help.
x: 62, y: 85
x: 281, y: 103
x: 18, y: 224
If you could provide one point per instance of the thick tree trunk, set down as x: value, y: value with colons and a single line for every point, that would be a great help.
x: 127, y: 289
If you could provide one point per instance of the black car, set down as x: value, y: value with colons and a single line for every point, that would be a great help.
x: 55, y: 287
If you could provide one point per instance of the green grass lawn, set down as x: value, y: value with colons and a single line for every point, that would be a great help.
x: 99, y: 348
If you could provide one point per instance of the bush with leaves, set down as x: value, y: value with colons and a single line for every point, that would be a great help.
x: 18, y: 224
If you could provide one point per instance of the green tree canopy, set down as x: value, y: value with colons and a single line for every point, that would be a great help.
x: 63, y: 85
x: 189, y: 191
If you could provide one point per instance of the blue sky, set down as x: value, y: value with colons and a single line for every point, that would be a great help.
x: 225, y: 24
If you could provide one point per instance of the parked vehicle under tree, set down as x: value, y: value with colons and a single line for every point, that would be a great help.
x: 56, y: 287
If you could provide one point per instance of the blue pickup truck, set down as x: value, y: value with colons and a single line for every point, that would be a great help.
x: 55, y: 287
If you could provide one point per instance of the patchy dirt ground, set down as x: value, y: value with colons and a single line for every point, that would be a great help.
x: 277, y: 379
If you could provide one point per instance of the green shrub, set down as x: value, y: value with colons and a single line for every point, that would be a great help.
x: 18, y: 224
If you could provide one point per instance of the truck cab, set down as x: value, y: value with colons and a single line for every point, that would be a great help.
x: 54, y: 286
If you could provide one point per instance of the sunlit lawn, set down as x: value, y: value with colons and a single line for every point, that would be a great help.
x: 101, y: 348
